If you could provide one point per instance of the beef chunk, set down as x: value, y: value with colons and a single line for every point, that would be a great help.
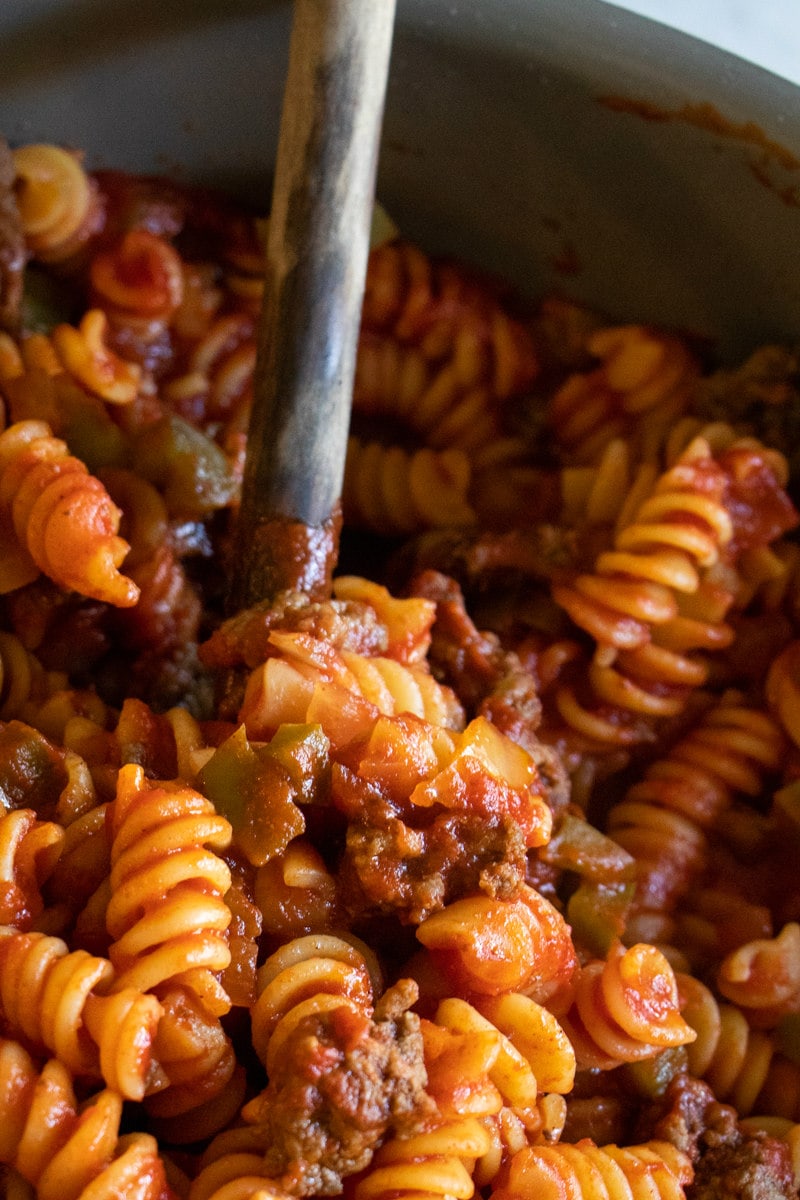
x: 729, y: 1163
x: 488, y: 679
x: 343, y: 1083
x: 751, y: 1167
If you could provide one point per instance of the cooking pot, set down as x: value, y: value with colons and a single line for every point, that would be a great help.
x: 568, y: 144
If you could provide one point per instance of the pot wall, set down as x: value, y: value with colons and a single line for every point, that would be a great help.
x: 563, y: 142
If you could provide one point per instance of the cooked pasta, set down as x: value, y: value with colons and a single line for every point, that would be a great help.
x: 69, y: 1150
x: 665, y: 818
x: 138, y: 279
x: 57, y: 201
x: 394, y: 491
x: 29, y: 849
x: 56, y: 999
x: 308, y: 975
x: 626, y: 1008
x: 643, y: 373
x: 743, y: 1065
x: 476, y: 876
x: 84, y: 352
x: 763, y: 976
x: 597, y: 1171
x: 167, y: 915
x: 63, y: 519
x: 435, y: 1163
x: 25, y: 686
x: 652, y: 600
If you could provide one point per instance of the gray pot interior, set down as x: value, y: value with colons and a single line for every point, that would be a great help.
x: 677, y: 203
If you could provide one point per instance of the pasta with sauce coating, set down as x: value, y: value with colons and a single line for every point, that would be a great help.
x: 306, y: 887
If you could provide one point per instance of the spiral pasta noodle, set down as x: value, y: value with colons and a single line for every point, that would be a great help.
x: 664, y: 819
x: 597, y: 1171
x: 63, y: 517
x: 57, y: 1000
x: 626, y: 1008
x: 642, y: 371
x: 438, y: 308
x: 743, y: 1065
x: 138, y: 281
x: 202, y: 1085
x: 678, y: 530
x: 25, y: 686
x: 57, y: 200
x: 435, y: 1163
x: 29, y: 850
x: 513, y: 1050
x: 763, y: 976
x: 529, y: 947
x: 394, y: 491
x: 312, y: 974
x: 84, y: 352
x: 651, y: 601
x: 450, y: 405
x: 167, y: 915
x: 66, y: 1150
x: 609, y: 491
x: 218, y: 374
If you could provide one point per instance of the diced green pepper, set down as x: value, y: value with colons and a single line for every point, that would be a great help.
x: 304, y: 751
x: 598, y: 912
x: 229, y: 776
x: 652, y: 1076
x: 258, y: 788
x: 72, y: 414
x: 32, y: 771
x: 189, y: 469
x: 46, y: 301
x: 577, y: 846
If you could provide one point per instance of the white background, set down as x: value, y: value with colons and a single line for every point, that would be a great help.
x: 766, y: 32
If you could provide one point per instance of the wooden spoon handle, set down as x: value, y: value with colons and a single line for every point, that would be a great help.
x: 316, y: 264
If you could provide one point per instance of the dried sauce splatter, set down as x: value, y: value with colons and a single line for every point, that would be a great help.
x: 705, y: 116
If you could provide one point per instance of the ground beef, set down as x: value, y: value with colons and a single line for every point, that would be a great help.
x: 729, y: 1164
x: 690, y: 1117
x: 344, y: 1083
x: 392, y: 867
x: 243, y: 640
x: 489, y: 680
x: 756, y: 1167
x: 12, y: 244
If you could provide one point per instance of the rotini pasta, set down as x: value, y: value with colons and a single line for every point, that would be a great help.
x: 594, y: 1171
x: 664, y: 819
x: 642, y: 372
x: 29, y: 849
x: 56, y: 999
x: 167, y: 915
x: 743, y: 1065
x: 57, y: 201
x: 626, y: 1008
x: 652, y: 601
x: 477, y: 876
x: 434, y: 1163
x: 62, y: 517
x: 394, y: 491
x: 69, y: 1151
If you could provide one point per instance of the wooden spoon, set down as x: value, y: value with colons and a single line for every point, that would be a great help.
x: 318, y: 242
